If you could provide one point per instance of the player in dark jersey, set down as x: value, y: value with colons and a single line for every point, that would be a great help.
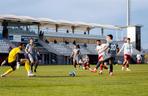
x: 111, y: 48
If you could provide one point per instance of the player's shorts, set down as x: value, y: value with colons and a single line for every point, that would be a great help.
x: 110, y: 59
x: 100, y: 58
x: 86, y: 64
x: 138, y: 61
x: 13, y: 65
x: 103, y: 57
x: 30, y: 57
x: 127, y: 57
x: 76, y: 59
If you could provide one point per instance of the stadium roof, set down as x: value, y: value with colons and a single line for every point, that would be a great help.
x: 53, y: 23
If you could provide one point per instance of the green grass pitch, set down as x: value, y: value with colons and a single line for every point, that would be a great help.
x: 54, y: 81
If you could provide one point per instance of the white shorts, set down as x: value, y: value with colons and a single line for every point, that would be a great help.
x: 30, y: 58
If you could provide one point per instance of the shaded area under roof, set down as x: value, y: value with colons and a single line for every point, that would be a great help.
x: 47, y: 22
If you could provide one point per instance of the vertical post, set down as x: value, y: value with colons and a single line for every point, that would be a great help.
x: 38, y: 29
x: 102, y: 31
x: 5, y: 33
x: 128, y: 12
x: 73, y: 29
x: 49, y: 57
x: 43, y: 56
x: 138, y: 38
x: 116, y: 35
x: 57, y: 27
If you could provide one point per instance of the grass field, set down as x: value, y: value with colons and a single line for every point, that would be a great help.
x: 54, y: 81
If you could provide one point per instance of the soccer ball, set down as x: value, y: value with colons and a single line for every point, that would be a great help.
x: 72, y: 74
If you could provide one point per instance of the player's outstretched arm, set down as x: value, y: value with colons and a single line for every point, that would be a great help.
x: 4, y: 62
x: 104, y: 49
x: 26, y: 49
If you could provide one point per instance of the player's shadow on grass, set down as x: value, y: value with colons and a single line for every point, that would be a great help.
x: 53, y: 76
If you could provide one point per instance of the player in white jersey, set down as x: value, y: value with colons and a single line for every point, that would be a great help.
x: 30, y: 54
x: 139, y: 58
x: 101, y: 57
x: 76, y: 55
x: 128, y: 50
x: 84, y: 61
x: 98, y: 47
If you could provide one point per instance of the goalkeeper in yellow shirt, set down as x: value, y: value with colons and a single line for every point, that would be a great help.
x: 14, y: 61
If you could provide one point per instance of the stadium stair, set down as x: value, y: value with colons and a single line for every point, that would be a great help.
x: 47, y: 47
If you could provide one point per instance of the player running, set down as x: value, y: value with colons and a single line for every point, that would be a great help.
x: 76, y: 55
x: 111, y: 49
x: 101, y: 57
x: 128, y: 51
x: 30, y: 53
x: 14, y: 61
x: 37, y: 58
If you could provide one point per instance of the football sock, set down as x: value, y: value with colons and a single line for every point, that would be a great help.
x: 27, y: 66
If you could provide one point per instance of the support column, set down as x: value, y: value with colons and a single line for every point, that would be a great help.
x: 43, y: 58
x: 73, y: 29
x: 38, y: 29
x: 102, y: 31
x: 49, y: 57
x: 5, y: 30
x: 57, y: 27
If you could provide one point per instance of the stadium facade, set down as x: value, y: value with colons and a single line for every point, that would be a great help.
x: 54, y: 39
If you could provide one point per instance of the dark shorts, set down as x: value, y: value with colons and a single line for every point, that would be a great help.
x: 127, y: 57
x: 33, y: 57
x: 13, y: 65
x: 110, y: 59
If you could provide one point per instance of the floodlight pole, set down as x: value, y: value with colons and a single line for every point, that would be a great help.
x: 128, y: 12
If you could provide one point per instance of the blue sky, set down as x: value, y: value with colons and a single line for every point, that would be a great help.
x: 96, y: 11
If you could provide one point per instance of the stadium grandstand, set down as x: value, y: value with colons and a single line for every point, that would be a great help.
x: 54, y: 39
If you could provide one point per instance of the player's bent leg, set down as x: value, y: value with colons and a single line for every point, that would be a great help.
x: 74, y: 63
x: 31, y: 65
x: 90, y: 69
x: 127, y: 66
x: 111, y: 66
x: 7, y: 72
x: 97, y: 66
x: 101, y: 68
x: 88, y: 65
x: 13, y: 68
x: 84, y: 66
x: 28, y: 67
x: 105, y: 66
x: 123, y: 66
x: 36, y: 65
x: 31, y: 58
